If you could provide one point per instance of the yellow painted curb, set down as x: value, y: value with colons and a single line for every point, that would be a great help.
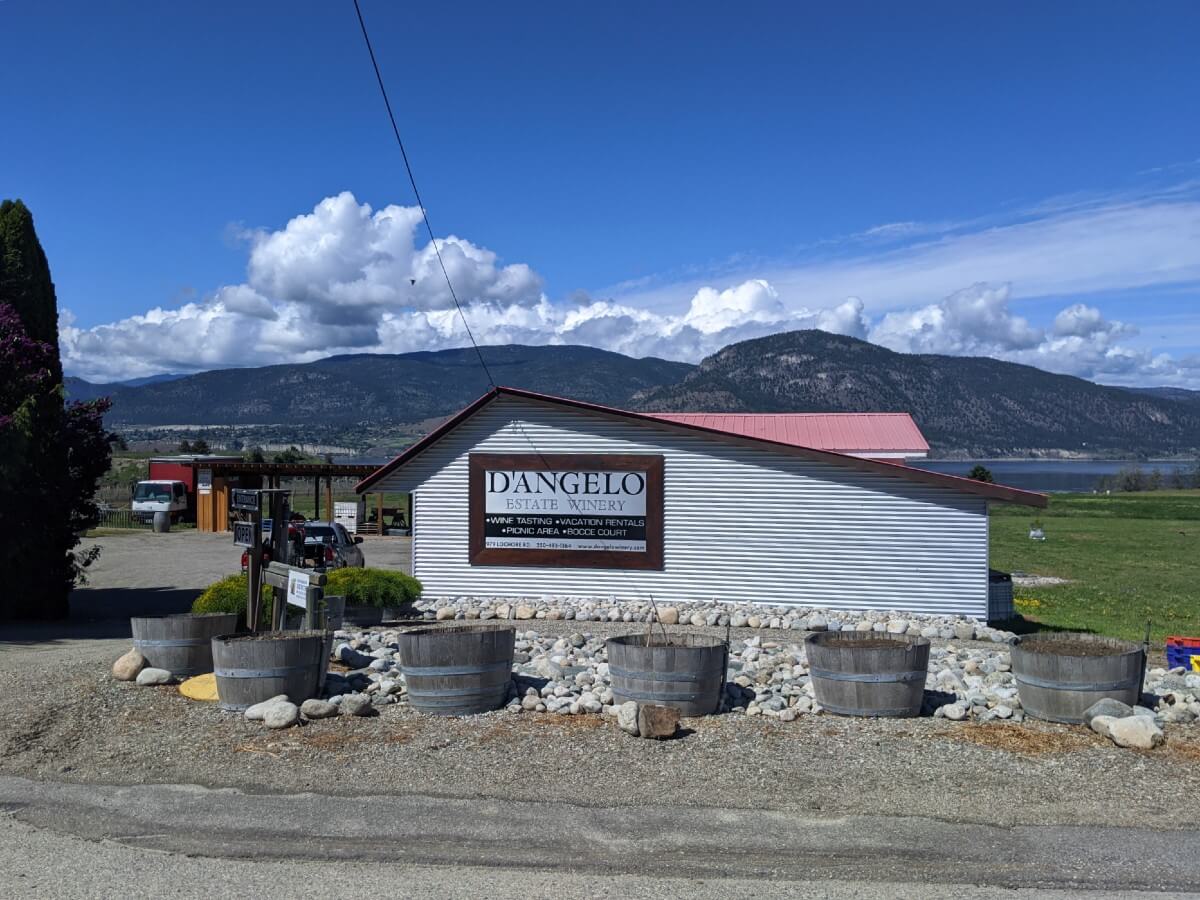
x: 201, y: 687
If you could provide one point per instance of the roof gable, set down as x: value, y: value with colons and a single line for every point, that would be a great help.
x: 953, y: 482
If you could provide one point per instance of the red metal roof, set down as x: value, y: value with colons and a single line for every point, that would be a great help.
x: 967, y: 485
x: 839, y: 432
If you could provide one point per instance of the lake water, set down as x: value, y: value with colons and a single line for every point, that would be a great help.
x: 1049, y: 474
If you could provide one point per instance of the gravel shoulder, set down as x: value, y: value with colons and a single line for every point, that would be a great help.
x: 62, y: 718
x: 65, y: 719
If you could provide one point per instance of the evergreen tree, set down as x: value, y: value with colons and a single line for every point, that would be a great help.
x: 51, y: 455
x: 25, y: 283
x: 981, y: 473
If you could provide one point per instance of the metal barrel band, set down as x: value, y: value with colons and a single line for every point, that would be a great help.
x: 870, y: 677
x: 174, y: 642
x: 483, y: 702
x: 889, y: 712
x: 437, y: 671
x: 661, y: 676
x: 282, y: 672
x: 459, y: 692
x: 1125, y: 684
x: 659, y: 696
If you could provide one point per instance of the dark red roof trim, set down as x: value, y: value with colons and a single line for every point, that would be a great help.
x: 899, y: 470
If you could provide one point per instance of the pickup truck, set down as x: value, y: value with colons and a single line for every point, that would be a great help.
x: 329, y: 546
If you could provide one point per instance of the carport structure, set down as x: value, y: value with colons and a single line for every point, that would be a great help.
x: 212, y: 508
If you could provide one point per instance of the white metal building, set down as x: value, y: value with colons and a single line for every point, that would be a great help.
x: 743, y: 518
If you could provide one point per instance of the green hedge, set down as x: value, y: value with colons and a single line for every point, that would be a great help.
x: 372, y: 587
x: 229, y: 596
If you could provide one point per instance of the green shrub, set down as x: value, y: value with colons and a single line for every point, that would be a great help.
x: 372, y: 587
x: 229, y: 596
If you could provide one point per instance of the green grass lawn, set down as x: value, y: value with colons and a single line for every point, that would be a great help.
x: 1129, y: 557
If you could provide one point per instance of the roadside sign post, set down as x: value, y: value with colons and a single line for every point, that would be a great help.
x: 248, y: 533
x: 280, y: 550
x: 301, y: 587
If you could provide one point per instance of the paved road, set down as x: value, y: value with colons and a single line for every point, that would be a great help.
x: 662, y: 849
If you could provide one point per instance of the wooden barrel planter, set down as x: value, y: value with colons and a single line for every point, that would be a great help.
x: 251, y: 668
x: 457, y: 671
x: 868, y: 674
x: 1060, y: 675
x: 181, y: 644
x: 686, y: 671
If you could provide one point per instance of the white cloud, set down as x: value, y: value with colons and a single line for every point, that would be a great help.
x: 346, y: 278
x: 977, y: 321
x: 971, y: 321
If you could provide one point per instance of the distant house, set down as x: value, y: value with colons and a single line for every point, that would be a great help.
x: 525, y: 495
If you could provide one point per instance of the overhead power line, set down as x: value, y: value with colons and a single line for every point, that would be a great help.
x: 416, y: 193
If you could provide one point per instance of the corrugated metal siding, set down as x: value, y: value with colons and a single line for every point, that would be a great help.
x: 741, y: 523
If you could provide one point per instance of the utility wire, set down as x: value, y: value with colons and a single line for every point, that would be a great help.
x: 416, y: 193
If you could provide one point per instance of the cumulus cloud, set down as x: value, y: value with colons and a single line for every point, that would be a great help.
x: 977, y: 321
x: 974, y: 320
x: 347, y: 278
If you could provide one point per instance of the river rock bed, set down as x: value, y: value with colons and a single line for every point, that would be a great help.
x: 715, y: 613
x: 767, y: 676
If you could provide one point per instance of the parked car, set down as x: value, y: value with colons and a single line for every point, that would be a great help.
x: 295, y: 537
x: 329, y: 546
x: 150, y: 497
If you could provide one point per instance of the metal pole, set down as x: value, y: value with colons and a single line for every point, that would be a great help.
x: 254, y: 574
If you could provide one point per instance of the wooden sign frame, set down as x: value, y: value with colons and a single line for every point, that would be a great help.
x: 650, y: 465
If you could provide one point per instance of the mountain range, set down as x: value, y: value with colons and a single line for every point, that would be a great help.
x: 971, y: 406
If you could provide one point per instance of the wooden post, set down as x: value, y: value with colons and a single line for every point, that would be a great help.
x: 379, y: 507
x: 328, y: 497
x: 280, y: 552
x: 317, y: 498
x: 254, y: 574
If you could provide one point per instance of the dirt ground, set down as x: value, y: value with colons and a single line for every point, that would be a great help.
x: 62, y: 717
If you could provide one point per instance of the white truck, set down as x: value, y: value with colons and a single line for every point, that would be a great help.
x: 150, y: 497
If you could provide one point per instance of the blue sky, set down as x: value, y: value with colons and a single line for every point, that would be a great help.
x: 216, y: 184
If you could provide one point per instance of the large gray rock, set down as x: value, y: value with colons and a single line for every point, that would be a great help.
x: 1138, y: 732
x: 1102, y: 725
x: 127, y: 667
x: 318, y: 709
x: 256, y: 711
x: 1107, y: 707
x: 152, y: 676
x: 668, y: 615
x: 955, y: 712
x: 357, y: 705
x: 657, y: 722
x: 281, y: 715
x: 627, y: 718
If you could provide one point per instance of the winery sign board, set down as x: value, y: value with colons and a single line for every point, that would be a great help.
x: 556, y: 509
